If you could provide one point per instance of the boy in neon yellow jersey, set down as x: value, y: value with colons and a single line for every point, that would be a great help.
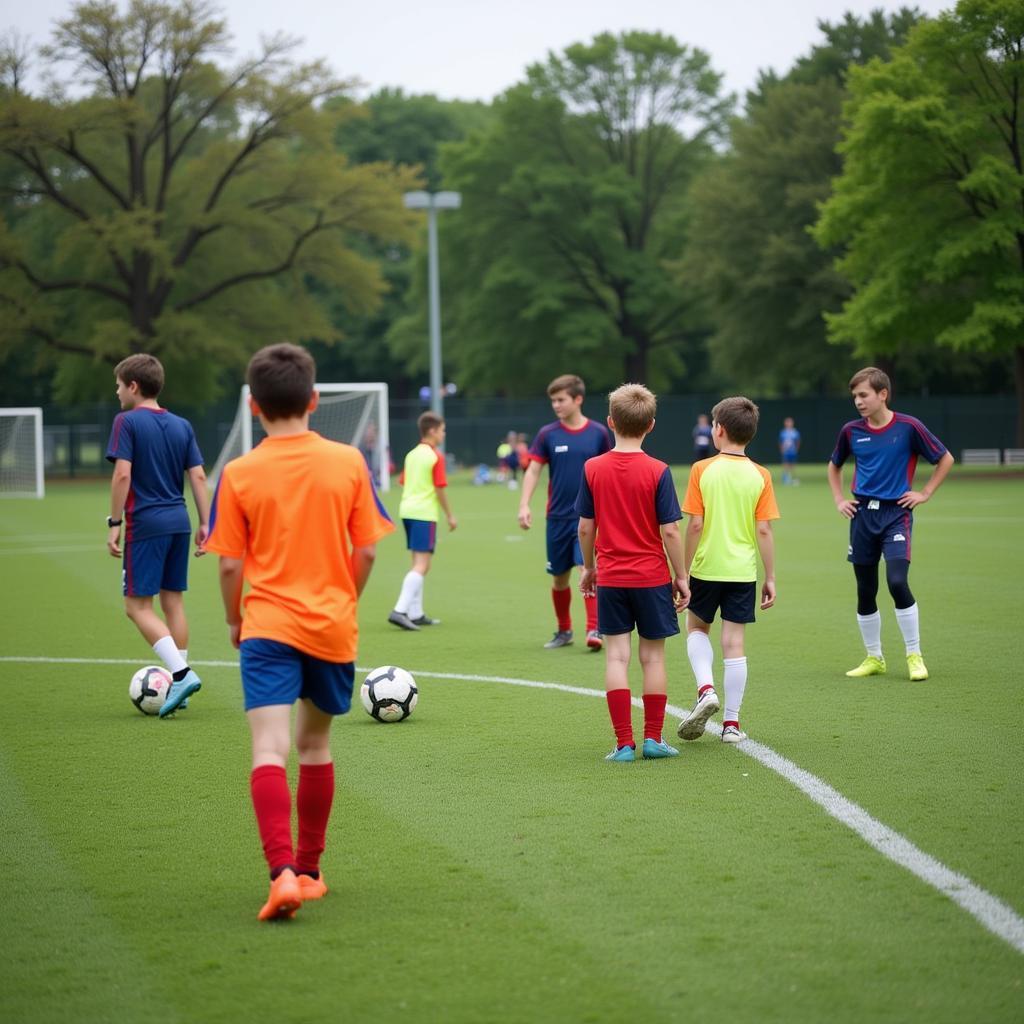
x: 424, y: 497
x: 730, y: 502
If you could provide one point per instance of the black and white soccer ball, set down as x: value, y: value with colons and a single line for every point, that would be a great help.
x: 149, y: 688
x: 389, y: 694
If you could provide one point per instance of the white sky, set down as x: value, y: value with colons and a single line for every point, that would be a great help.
x: 475, y: 49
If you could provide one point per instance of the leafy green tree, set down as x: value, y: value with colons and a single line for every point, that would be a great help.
x: 930, y: 205
x: 178, y: 207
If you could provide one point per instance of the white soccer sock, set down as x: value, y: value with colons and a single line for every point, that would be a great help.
x: 184, y: 654
x: 910, y: 627
x: 416, y: 604
x: 702, y: 657
x: 412, y: 583
x: 167, y: 651
x: 871, y: 632
x: 734, y: 682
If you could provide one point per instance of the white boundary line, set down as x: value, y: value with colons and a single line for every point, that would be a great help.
x: 989, y: 911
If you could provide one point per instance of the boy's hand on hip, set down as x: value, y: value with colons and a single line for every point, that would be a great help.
x: 911, y: 499
x: 847, y: 507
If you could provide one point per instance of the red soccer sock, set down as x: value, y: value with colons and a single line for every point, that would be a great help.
x: 562, y: 600
x: 654, y: 715
x: 621, y: 710
x: 314, y: 799
x: 272, y: 801
x: 591, y: 606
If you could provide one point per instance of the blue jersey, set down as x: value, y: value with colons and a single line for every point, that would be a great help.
x: 789, y: 440
x: 886, y: 456
x: 565, y: 451
x: 161, y: 447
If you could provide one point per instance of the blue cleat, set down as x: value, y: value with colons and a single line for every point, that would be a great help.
x: 658, y: 748
x: 625, y: 753
x: 179, y: 693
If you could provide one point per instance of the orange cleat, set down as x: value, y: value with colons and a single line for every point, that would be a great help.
x: 284, y: 899
x: 312, y: 888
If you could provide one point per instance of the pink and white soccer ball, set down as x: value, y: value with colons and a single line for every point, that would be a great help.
x: 149, y: 688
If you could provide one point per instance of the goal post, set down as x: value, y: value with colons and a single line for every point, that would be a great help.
x: 356, y: 414
x: 21, y: 453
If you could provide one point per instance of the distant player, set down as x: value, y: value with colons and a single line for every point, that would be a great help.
x: 885, y: 446
x: 630, y: 514
x: 297, y: 519
x: 564, y: 446
x: 424, y: 498
x: 789, y: 448
x: 731, y: 503
x: 702, y: 446
x: 153, y: 451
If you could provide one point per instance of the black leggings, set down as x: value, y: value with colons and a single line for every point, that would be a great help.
x: 896, y: 572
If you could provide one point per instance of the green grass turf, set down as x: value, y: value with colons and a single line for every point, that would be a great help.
x: 485, y: 863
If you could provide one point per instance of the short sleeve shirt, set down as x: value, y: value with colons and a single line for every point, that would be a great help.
x: 565, y: 452
x: 423, y: 473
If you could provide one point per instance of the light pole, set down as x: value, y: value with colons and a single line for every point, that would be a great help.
x: 432, y: 202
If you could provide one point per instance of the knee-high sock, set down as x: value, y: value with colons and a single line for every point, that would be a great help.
x: 411, y: 586
x: 416, y: 604
x: 591, y: 605
x: 734, y: 682
x: 314, y: 798
x: 654, y: 715
x: 871, y: 632
x: 272, y: 801
x: 562, y: 600
x: 910, y: 627
x: 620, y: 708
x: 702, y: 658
x: 167, y: 651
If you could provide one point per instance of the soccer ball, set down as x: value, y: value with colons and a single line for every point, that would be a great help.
x: 389, y: 694
x: 149, y: 688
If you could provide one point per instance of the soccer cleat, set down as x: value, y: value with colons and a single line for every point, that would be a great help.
x: 561, y: 639
x: 693, y: 725
x: 594, y: 640
x: 426, y: 620
x: 284, y: 899
x: 625, y: 753
x: 733, y: 734
x: 870, y: 666
x: 402, y: 620
x: 916, y: 667
x: 658, y: 748
x: 179, y: 692
x: 312, y: 888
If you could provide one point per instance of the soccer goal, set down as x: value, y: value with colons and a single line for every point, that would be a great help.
x: 21, y: 453
x: 356, y: 414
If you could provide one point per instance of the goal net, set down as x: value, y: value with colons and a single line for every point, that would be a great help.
x: 356, y: 414
x: 21, y: 453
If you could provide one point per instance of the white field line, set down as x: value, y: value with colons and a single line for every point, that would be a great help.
x: 989, y: 911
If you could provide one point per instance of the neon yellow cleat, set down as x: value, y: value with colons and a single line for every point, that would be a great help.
x: 916, y: 667
x: 870, y: 666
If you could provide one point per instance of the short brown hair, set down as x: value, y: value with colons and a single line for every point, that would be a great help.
x: 632, y: 408
x: 738, y: 416
x: 567, y: 382
x: 281, y: 378
x: 144, y: 370
x: 875, y: 378
x: 429, y: 421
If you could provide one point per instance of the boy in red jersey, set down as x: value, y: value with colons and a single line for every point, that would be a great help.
x: 297, y: 519
x: 629, y: 512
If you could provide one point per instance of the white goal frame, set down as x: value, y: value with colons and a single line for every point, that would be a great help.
x: 35, y: 414
x: 241, y: 434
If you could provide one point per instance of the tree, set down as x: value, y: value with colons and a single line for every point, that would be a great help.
x: 177, y: 207
x: 572, y: 208
x: 930, y: 205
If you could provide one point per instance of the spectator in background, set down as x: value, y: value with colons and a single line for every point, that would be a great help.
x: 702, y: 439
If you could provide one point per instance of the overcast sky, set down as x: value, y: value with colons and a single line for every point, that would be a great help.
x: 475, y: 49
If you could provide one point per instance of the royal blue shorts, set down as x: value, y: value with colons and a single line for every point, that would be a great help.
x: 736, y: 600
x: 420, y: 535
x: 159, y: 563
x: 276, y: 673
x: 648, y: 610
x: 563, y: 545
x: 879, y: 528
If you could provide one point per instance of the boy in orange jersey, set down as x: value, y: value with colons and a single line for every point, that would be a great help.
x: 297, y: 519
x: 730, y: 502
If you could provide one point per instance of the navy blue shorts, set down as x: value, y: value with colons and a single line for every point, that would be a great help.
x: 563, y: 545
x: 879, y: 528
x: 276, y: 673
x: 736, y: 600
x: 649, y: 610
x: 159, y: 563
x: 420, y: 535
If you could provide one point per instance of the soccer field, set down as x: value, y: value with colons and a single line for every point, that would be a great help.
x: 861, y: 859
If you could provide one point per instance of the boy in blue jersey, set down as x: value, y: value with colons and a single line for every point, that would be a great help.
x: 564, y: 446
x: 152, y: 451
x: 885, y: 446
x: 789, y: 448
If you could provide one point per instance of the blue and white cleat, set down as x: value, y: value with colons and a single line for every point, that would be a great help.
x: 180, y: 692
x: 658, y: 748
x: 625, y: 753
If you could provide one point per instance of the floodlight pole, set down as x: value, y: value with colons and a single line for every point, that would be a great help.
x: 432, y: 202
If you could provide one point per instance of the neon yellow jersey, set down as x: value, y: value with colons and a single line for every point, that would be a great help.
x: 732, y: 494
x: 422, y: 475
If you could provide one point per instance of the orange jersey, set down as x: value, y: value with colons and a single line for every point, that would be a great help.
x: 293, y: 508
